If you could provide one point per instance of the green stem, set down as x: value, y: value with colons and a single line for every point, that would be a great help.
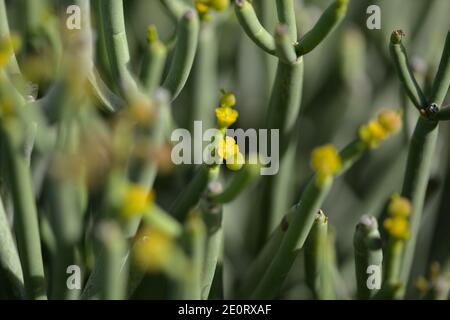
x: 212, y: 216
x: 183, y: 58
x: 195, y: 236
x: 298, y: 229
x: 406, y: 75
x: 367, y: 246
x: 238, y: 183
x: 327, y: 22
x: 191, y: 195
x: 284, y: 48
x: 286, y: 15
x: 153, y: 65
x: 442, y: 81
x: 116, y: 40
x: 392, y: 264
x: 113, y: 276
x: 252, y: 26
x: 205, y: 71
x: 316, y: 265
x: 176, y: 8
x: 12, y: 66
x: 11, y: 273
x: 420, y: 157
x: 26, y: 220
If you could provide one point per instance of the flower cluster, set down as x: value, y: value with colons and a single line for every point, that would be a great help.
x: 384, y: 125
x: 326, y: 162
x: 205, y: 6
x: 227, y: 148
x: 225, y: 114
x: 397, y: 224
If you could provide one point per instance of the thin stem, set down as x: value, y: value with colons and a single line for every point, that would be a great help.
x: 10, y: 269
x: 183, y: 59
x: 286, y: 15
x: 297, y: 230
x: 327, y: 22
x: 252, y: 26
x: 398, y: 53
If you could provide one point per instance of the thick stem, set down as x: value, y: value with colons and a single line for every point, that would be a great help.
x: 286, y: 15
x: 367, y: 245
x: 26, y: 220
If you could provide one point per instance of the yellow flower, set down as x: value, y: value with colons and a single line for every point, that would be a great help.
x: 390, y: 121
x: 227, y: 148
x: 397, y: 227
x: 399, y: 206
x: 226, y: 116
x: 372, y: 133
x: 7, y: 47
x: 153, y: 249
x: 387, y: 123
x: 136, y: 200
x: 202, y: 7
x: 228, y: 99
x: 421, y: 284
x: 326, y: 162
x: 219, y: 5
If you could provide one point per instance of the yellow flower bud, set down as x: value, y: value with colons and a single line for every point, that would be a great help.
x: 202, y: 7
x: 397, y: 227
x: 390, y: 121
x: 399, y: 206
x: 226, y: 117
x: 372, y: 133
x: 228, y: 99
x: 219, y: 5
x: 153, y: 249
x: 227, y: 148
x: 136, y: 200
x: 326, y: 162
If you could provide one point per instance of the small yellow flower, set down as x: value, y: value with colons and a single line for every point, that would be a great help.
x: 326, y: 162
x: 228, y: 99
x: 399, y: 206
x: 202, y: 7
x: 136, y: 200
x: 219, y: 5
x: 153, y: 249
x: 372, y: 133
x: 390, y: 121
x: 226, y: 116
x: 227, y: 148
x: 387, y: 123
x: 397, y: 227
x: 7, y: 47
